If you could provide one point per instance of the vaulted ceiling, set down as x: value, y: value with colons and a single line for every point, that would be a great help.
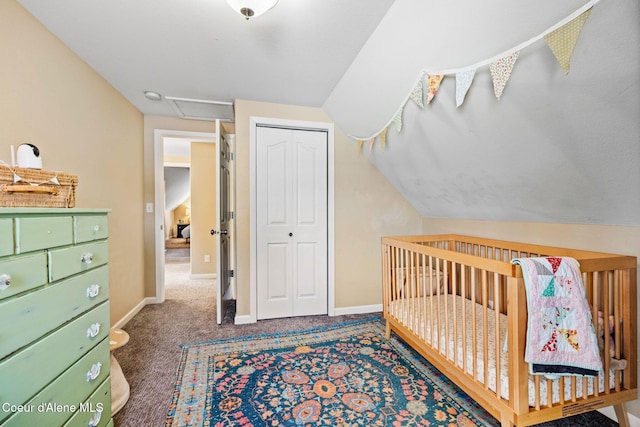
x: 553, y: 148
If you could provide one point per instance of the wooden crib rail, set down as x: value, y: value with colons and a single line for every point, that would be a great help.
x: 503, y: 251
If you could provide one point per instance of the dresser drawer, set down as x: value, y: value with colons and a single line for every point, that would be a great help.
x: 34, y: 314
x: 24, y: 273
x: 33, y: 233
x: 29, y: 370
x: 96, y: 411
x: 91, y: 227
x: 6, y: 236
x: 65, y: 262
x: 68, y: 390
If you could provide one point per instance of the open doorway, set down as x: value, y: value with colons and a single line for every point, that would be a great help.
x: 177, y: 194
x: 208, y: 222
x: 177, y: 217
x: 184, y: 254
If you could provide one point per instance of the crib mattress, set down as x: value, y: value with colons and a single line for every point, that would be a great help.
x: 416, y: 314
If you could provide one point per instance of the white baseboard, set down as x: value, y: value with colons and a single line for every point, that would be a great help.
x: 243, y: 320
x: 339, y: 311
x: 135, y: 310
x: 611, y: 413
x: 203, y: 276
x: 358, y: 309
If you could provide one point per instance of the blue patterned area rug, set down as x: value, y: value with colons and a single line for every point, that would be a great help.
x: 347, y: 374
x: 342, y: 375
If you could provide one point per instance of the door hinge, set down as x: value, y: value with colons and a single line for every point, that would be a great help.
x: 231, y: 156
x: 232, y: 273
x: 231, y: 215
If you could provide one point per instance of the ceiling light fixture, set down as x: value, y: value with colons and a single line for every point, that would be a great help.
x: 251, y: 8
x: 154, y: 96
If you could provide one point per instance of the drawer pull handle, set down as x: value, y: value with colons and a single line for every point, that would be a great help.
x: 5, y: 281
x: 93, y: 291
x: 87, y: 258
x: 94, y: 372
x: 93, y: 422
x: 93, y: 330
x: 96, y: 228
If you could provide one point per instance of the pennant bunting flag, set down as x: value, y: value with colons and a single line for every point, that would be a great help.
x: 383, y: 138
x: 371, y: 141
x: 397, y: 119
x: 433, y: 85
x: 463, y: 82
x: 501, y: 71
x: 417, y: 94
x: 16, y: 178
x: 563, y: 40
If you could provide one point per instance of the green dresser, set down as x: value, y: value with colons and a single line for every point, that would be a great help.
x: 54, y: 312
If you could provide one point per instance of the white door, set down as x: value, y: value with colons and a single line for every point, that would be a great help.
x: 223, y: 224
x: 291, y: 224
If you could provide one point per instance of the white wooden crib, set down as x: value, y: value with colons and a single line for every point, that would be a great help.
x: 445, y: 294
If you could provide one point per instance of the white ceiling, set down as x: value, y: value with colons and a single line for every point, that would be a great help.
x: 202, y: 49
x: 554, y: 148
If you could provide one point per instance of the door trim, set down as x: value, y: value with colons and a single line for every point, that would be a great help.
x: 254, y: 122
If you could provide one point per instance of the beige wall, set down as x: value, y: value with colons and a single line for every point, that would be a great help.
x: 53, y: 99
x: 366, y: 208
x: 603, y: 238
x: 203, y: 207
x: 150, y: 124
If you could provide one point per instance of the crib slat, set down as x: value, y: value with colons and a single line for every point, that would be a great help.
x: 485, y: 328
x: 496, y: 338
x: 456, y: 309
x: 463, y: 293
x: 474, y: 330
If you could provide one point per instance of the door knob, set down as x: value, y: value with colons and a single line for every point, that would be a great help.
x: 290, y: 234
x: 213, y: 232
x: 225, y: 232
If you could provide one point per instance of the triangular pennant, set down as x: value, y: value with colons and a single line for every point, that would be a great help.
x: 397, y: 119
x: 383, y: 138
x: 16, y: 178
x: 501, y: 71
x: 360, y: 146
x: 417, y: 94
x: 370, y: 142
x: 463, y: 82
x: 563, y: 40
x: 433, y: 85
x: 55, y: 180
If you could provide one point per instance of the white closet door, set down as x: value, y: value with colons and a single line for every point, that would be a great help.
x: 291, y: 222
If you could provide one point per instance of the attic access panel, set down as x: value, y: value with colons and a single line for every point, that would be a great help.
x: 200, y: 109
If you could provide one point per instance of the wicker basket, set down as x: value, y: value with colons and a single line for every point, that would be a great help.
x: 21, y: 187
